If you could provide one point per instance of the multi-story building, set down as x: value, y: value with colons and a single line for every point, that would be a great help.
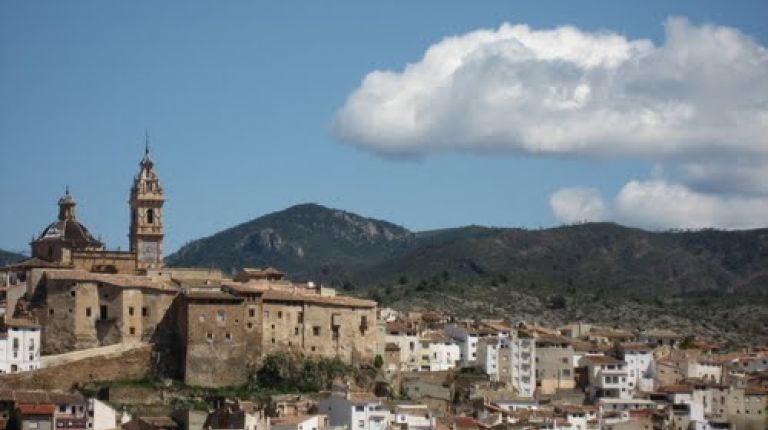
x: 640, y: 366
x: 253, y: 320
x: 355, y: 411
x: 488, y: 357
x: 406, y: 337
x: 554, y: 365
x: 438, y: 352
x: 467, y: 334
x: 607, y: 377
x: 522, y: 361
x: 80, y: 309
x: 19, y: 345
x: 84, y: 296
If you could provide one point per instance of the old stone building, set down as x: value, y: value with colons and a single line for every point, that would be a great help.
x: 85, y: 296
x: 67, y: 243
x: 213, y: 352
x: 80, y: 309
x: 230, y: 327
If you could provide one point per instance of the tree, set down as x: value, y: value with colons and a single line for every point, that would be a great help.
x: 378, y: 361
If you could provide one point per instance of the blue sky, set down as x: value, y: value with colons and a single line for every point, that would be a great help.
x: 240, y: 100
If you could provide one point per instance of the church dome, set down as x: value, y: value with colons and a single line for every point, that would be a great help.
x: 67, y: 228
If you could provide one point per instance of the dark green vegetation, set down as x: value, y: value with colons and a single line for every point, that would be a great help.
x: 706, y: 282
x: 9, y: 257
x: 305, y: 240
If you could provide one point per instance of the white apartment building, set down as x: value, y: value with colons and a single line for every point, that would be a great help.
x: 467, y: 334
x: 640, y: 366
x: 608, y: 377
x: 407, y: 339
x: 522, y: 361
x: 488, y: 357
x: 19, y: 345
x: 355, y: 411
x: 438, y: 352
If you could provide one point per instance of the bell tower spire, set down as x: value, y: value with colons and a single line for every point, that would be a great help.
x: 146, y: 202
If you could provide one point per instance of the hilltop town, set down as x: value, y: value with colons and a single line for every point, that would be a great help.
x: 103, y: 339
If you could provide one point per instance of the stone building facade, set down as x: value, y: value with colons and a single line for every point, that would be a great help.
x: 80, y: 309
x: 67, y: 243
x: 212, y: 337
x: 230, y: 327
x: 84, y: 296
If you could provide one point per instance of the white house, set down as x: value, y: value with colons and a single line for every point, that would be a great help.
x: 19, y: 345
x: 413, y: 416
x: 438, y: 352
x: 640, y: 366
x: 608, y: 377
x: 467, y: 334
x: 355, y: 411
x: 406, y: 337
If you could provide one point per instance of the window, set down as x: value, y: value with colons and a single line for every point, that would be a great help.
x: 228, y: 336
x: 300, y: 317
x: 88, y: 312
x: 103, y: 312
x: 273, y: 326
x: 361, y: 424
x: 209, y: 336
x: 219, y: 316
x: 251, y: 312
x: 266, y: 314
x: 50, y: 311
x: 296, y: 331
x: 273, y: 340
x: 279, y: 314
x: 62, y: 408
x: 316, y: 330
x: 72, y: 293
x: 565, y: 360
x: 249, y: 325
x: 145, y: 311
x: 150, y: 216
x: 132, y: 330
x: 130, y: 310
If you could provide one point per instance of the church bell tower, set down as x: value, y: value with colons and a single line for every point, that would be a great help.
x: 146, y: 234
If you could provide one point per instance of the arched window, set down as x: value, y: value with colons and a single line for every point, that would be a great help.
x: 150, y: 216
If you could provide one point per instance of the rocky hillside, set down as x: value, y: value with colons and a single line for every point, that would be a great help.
x: 306, y: 240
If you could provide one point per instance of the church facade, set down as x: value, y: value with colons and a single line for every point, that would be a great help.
x: 208, y: 329
x: 67, y: 243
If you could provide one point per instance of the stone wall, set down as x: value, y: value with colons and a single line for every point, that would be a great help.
x: 320, y: 330
x: 215, y: 353
x: 133, y: 364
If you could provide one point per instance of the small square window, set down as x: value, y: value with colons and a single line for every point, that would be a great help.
x: 132, y: 330
x: 316, y: 330
x: 145, y: 311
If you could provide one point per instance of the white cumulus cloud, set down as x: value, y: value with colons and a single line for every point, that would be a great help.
x: 702, y: 91
x: 573, y: 205
x: 661, y: 204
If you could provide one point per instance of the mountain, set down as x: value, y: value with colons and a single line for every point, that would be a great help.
x: 707, y: 282
x: 595, y: 255
x: 7, y: 257
x: 307, y: 240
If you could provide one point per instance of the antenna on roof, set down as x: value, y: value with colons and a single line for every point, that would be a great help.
x: 66, y: 190
x: 146, y: 141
